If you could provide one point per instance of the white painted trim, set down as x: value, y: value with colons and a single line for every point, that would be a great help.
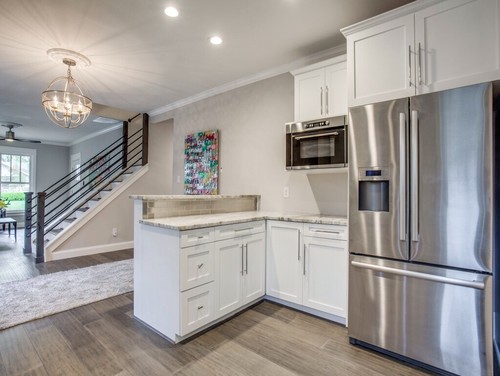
x: 51, y: 247
x: 319, y: 65
x: 96, y: 134
x: 24, y: 151
x: 156, y: 115
x: 93, y: 250
x: 314, y: 312
x: 388, y: 16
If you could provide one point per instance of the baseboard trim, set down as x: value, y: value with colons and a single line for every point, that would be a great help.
x: 311, y: 311
x: 93, y: 250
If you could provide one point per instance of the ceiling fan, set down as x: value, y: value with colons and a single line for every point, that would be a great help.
x: 10, y: 135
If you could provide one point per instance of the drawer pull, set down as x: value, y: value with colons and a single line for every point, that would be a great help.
x: 200, y: 237
x: 200, y: 266
x: 326, y: 231
x: 200, y: 307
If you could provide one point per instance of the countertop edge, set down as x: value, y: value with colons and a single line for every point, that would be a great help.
x: 232, y: 218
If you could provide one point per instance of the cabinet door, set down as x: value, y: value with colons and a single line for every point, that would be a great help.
x: 255, y: 267
x: 197, y: 308
x: 196, y: 266
x: 458, y: 41
x: 309, y: 96
x: 381, y: 62
x: 325, y: 275
x: 229, y: 258
x: 284, y: 255
x: 336, y: 89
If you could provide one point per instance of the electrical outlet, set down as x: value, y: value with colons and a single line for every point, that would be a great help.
x: 114, y: 232
x: 286, y: 192
x: 178, y: 179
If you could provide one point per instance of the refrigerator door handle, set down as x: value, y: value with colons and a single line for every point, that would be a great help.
x: 414, y: 176
x: 402, y: 177
x: 420, y: 275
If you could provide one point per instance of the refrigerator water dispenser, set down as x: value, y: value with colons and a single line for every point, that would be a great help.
x: 373, y: 189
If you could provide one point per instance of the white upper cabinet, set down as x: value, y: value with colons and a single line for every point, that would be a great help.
x: 380, y: 62
x: 423, y: 47
x: 457, y: 44
x: 321, y: 90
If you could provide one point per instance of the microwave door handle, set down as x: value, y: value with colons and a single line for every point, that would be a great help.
x: 316, y: 135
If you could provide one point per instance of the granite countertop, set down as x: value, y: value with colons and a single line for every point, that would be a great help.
x: 209, y: 220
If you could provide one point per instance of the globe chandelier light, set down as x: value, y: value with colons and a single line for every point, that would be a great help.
x: 64, y: 101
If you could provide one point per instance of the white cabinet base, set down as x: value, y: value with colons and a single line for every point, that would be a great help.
x: 311, y: 311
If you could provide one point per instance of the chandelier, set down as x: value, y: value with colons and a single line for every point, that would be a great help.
x: 63, y: 100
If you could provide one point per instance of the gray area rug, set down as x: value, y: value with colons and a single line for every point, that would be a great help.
x: 33, y: 298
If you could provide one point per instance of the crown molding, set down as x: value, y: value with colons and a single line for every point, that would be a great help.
x: 388, y: 16
x: 159, y: 114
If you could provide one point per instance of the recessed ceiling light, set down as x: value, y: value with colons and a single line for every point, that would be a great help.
x: 216, y: 40
x: 171, y: 12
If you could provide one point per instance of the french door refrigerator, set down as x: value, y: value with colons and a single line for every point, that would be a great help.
x: 421, y: 228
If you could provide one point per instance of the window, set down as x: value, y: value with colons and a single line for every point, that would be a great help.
x: 17, y: 168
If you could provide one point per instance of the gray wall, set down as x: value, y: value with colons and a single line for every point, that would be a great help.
x: 91, y: 147
x: 251, y: 121
x: 119, y: 214
x: 52, y: 162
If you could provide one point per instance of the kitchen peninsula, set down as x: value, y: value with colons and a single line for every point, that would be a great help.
x: 201, y: 259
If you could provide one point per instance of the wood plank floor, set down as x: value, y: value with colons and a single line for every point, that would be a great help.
x: 103, y: 338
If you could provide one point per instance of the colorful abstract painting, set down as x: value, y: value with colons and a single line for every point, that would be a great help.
x: 201, y: 163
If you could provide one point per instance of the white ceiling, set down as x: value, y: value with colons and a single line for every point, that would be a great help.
x: 143, y: 60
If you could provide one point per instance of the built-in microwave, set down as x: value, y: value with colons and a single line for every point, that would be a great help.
x: 316, y: 144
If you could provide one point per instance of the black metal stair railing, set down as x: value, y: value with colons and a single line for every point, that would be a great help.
x: 45, y: 211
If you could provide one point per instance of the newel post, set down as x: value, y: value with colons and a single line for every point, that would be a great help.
x: 28, y: 198
x: 145, y: 138
x: 40, y: 228
x: 125, y: 144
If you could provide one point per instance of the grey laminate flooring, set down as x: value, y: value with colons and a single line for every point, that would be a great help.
x: 103, y: 338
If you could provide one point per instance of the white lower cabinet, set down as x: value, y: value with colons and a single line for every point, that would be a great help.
x: 308, y: 270
x: 240, y: 271
x: 186, y: 280
x: 325, y: 275
x: 197, y: 308
x: 284, y: 252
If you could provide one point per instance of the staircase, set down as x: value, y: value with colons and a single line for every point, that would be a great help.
x: 57, y: 212
x: 68, y: 219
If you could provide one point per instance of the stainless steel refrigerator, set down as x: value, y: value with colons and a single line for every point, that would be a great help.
x: 421, y: 228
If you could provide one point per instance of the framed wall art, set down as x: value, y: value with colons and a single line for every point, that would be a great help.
x: 201, y: 163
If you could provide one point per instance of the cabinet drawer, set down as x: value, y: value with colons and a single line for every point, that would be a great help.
x: 326, y: 231
x: 239, y: 229
x: 198, y: 236
x: 196, y: 266
x: 197, y: 308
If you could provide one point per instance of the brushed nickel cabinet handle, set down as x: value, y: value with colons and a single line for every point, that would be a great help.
x: 242, y: 266
x: 246, y: 258
x: 326, y: 100
x: 298, y: 245
x: 304, y: 268
x: 200, y: 307
x: 419, y: 65
x: 200, y: 266
x: 409, y: 65
x: 321, y: 100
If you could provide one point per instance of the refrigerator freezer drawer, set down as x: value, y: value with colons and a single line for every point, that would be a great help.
x: 432, y: 315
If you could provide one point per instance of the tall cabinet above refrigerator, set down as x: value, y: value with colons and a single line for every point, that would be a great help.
x: 421, y: 228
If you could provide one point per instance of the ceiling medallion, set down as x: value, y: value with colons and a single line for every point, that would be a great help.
x: 63, y: 100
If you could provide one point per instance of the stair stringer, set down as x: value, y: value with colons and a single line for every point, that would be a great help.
x: 73, y: 228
